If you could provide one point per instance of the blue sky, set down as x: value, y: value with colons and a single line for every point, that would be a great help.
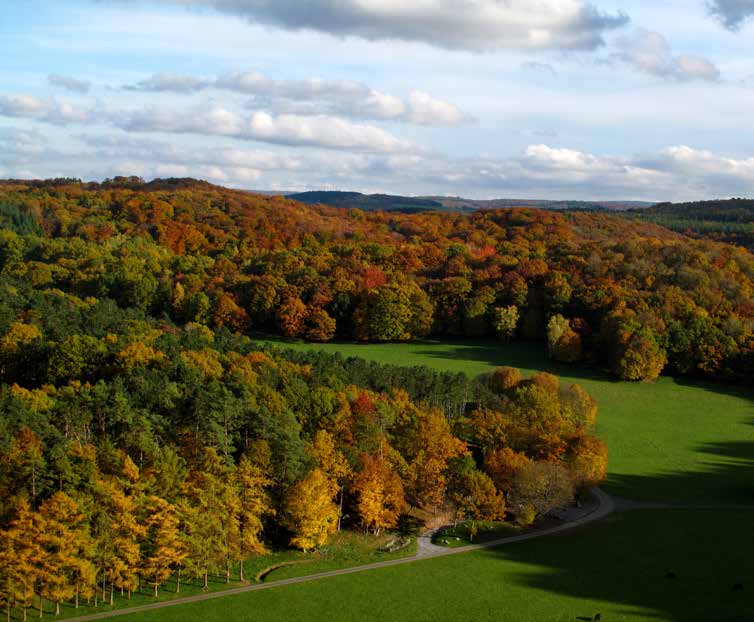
x: 479, y: 98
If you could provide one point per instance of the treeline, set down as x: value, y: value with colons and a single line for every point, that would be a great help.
x: 134, y: 451
x: 202, y: 254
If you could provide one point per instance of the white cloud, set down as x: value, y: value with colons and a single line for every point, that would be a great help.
x: 732, y: 13
x: 284, y: 129
x: 315, y: 97
x: 215, y: 120
x: 68, y: 83
x: 477, y: 25
x: 50, y: 110
x: 649, y: 52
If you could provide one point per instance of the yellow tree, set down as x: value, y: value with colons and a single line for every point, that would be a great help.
x: 126, y: 530
x: 254, y: 504
x: 310, y: 513
x: 66, y: 542
x: 163, y: 550
x: 379, y: 492
x: 205, y: 515
x: 333, y: 463
x: 21, y: 556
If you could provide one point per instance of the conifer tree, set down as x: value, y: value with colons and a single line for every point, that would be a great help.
x: 163, y: 550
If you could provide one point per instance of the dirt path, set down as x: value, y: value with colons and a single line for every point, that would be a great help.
x: 600, y: 507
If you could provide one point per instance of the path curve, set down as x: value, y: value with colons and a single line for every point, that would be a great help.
x: 602, y: 506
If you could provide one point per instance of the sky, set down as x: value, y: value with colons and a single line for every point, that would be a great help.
x: 538, y: 99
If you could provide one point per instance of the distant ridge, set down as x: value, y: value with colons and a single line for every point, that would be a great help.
x: 409, y: 205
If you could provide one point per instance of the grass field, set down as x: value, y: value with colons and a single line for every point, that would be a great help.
x: 617, y: 568
x: 673, y: 440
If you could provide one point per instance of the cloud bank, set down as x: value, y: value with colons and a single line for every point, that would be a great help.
x: 315, y: 97
x: 475, y: 25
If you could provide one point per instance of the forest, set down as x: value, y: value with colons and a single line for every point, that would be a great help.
x: 145, y: 436
x: 134, y: 451
x: 630, y: 296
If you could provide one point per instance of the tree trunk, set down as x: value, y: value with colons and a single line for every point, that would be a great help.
x: 77, y: 596
x: 340, y: 513
x: 112, y: 590
x: 178, y: 583
x: 206, y: 580
x: 57, y: 609
x: 240, y: 572
x: 155, y: 590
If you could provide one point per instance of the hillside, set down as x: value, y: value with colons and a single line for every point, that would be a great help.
x: 729, y: 221
x: 410, y: 205
x: 369, y: 202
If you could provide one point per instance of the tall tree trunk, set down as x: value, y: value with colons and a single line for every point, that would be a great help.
x: 340, y: 513
x: 178, y: 583
x: 240, y: 572
x: 112, y: 591
x: 227, y: 570
x: 155, y: 590
x: 57, y: 608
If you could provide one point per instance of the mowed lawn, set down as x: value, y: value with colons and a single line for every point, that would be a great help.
x: 671, y: 440
x: 617, y: 568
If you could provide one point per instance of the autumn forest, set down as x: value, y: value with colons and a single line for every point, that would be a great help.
x: 148, y: 437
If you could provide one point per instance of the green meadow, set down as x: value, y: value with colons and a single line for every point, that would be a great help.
x: 617, y: 568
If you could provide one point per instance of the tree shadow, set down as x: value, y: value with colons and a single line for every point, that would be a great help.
x: 686, y: 562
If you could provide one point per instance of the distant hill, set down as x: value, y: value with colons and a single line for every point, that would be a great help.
x: 409, y: 205
x: 729, y: 220
x: 373, y: 202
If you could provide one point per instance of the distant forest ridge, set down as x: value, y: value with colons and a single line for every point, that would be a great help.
x: 408, y: 205
x: 730, y: 220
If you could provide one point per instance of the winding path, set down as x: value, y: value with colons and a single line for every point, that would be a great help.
x: 601, y: 505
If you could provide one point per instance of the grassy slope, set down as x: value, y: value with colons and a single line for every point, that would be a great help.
x: 616, y: 568
x: 670, y: 440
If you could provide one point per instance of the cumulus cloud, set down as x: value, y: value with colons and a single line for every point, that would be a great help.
x: 50, y: 110
x: 68, y: 83
x: 477, y: 25
x: 317, y: 97
x: 732, y: 13
x: 284, y: 129
x: 649, y: 52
